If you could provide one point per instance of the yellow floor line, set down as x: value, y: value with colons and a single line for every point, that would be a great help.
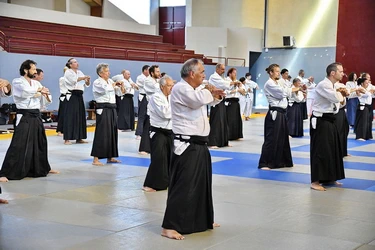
x: 49, y: 132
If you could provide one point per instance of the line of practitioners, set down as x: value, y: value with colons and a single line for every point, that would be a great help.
x: 328, y: 125
x: 361, y: 94
x: 187, y: 173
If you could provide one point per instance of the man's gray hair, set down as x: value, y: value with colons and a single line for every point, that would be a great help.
x: 190, y: 65
x: 100, y: 67
x: 218, y: 66
x: 164, y: 79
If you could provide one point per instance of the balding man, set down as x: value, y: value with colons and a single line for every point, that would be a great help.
x: 218, y: 116
x: 125, y: 104
x: 159, y: 110
x: 189, y: 205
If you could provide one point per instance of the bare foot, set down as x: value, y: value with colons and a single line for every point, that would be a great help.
x: 3, y: 179
x: 67, y: 143
x: 137, y: 137
x: 265, y: 168
x: 148, y: 189
x: 53, y: 171
x: 229, y: 145
x: 317, y: 186
x: 2, y: 201
x: 348, y: 155
x: 81, y: 141
x: 214, y: 147
x: 59, y: 134
x: 143, y: 153
x: 97, y: 163
x: 172, y: 234
x: 113, y: 160
x: 247, y: 118
x: 216, y: 224
x: 360, y: 139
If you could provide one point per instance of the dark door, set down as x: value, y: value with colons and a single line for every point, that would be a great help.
x: 172, y: 24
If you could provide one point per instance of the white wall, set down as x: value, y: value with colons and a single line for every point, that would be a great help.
x: 241, y: 41
x: 43, y: 4
x: 206, y: 40
x: 237, y: 42
x: 38, y: 14
x: 112, y: 12
x: 79, y: 7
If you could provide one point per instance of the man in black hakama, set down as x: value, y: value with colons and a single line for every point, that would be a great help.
x: 27, y: 153
x: 124, y: 102
x: 74, y: 126
x: 189, y: 205
x: 151, y: 86
x: 142, y: 101
x: 326, y: 158
x: 161, y: 134
x: 218, y: 136
x: 62, y: 105
x: 105, y: 144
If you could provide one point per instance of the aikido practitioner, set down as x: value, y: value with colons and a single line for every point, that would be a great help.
x: 189, y: 205
x: 105, y: 143
x: 151, y: 85
x: 232, y: 106
x: 124, y: 102
x: 160, y: 113
x: 364, y: 116
x: 142, y: 101
x: 62, y: 105
x: 27, y: 155
x: 276, y: 148
x: 75, y: 127
x: 218, y: 115
x: 294, y: 111
x: 326, y: 159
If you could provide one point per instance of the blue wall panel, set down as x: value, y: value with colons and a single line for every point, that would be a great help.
x: 53, y: 70
x: 313, y: 60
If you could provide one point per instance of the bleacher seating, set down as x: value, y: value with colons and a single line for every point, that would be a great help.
x: 35, y: 37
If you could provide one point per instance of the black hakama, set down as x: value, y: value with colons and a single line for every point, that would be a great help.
x: 351, y: 108
x: 125, y: 112
x: 27, y: 153
x: 363, y: 122
x: 145, y: 144
x: 304, y: 110
x: 190, y: 205
x: 234, y: 119
x: 60, y: 114
x: 326, y: 163
x: 276, y: 148
x: 75, y: 127
x: 105, y: 143
x: 142, y: 113
x: 295, y: 119
x: 219, y: 127
x: 161, y: 148
x: 342, y: 126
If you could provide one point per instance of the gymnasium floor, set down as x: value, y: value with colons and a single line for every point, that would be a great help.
x: 88, y: 207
